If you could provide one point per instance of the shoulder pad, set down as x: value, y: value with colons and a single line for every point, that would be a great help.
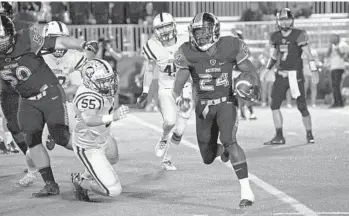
x: 151, y: 49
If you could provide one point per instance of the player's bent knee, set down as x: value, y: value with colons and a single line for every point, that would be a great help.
x: 169, y: 124
x: 303, y: 110
x: 115, y: 190
x: 60, y: 134
x: 275, y: 105
x: 33, y: 138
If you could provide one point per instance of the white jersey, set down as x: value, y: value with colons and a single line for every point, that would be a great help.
x: 64, y: 66
x: 85, y: 136
x: 153, y: 50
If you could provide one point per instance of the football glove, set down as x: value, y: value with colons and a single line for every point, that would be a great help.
x: 90, y: 46
x: 183, y: 103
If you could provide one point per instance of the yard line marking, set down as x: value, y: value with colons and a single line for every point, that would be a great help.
x: 295, y: 204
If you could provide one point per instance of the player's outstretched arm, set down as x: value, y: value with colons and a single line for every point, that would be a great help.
x: 75, y: 43
x: 182, y: 74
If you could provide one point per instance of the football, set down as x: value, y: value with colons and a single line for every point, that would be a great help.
x: 244, y: 86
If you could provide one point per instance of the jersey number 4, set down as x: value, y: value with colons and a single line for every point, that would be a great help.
x: 22, y: 73
x: 171, y: 69
x: 206, y: 79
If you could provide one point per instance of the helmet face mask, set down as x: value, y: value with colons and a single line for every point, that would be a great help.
x: 166, y: 32
x: 99, y: 76
x: 56, y: 29
x: 204, y: 31
x: 164, y: 27
x: 285, y: 20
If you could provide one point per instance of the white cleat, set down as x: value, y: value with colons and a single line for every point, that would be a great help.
x: 168, y: 165
x: 27, y: 180
x: 161, y: 148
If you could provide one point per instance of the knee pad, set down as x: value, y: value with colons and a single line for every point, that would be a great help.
x: 60, y: 134
x: 115, y: 190
x: 33, y: 138
x: 302, y: 107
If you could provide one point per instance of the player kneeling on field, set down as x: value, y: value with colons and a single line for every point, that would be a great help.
x: 93, y: 142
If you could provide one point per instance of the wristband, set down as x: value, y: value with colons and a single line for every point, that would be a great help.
x: 145, y: 89
x: 106, y: 119
x: 271, y: 63
x: 312, y: 65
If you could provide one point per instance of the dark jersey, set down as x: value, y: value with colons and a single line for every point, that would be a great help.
x: 289, y: 49
x: 212, y: 75
x: 23, y: 68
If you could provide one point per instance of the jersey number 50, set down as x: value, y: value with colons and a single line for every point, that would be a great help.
x: 22, y: 73
x: 205, y: 79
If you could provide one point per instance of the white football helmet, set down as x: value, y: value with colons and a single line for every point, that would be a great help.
x: 164, y: 27
x: 56, y: 29
x: 99, y: 76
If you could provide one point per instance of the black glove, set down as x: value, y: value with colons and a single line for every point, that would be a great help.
x: 141, y: 99
x: 91, y: 46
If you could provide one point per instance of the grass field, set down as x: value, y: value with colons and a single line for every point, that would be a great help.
x: 294, y: 179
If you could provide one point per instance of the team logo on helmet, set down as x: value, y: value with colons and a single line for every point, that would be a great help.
x: 213, y: 62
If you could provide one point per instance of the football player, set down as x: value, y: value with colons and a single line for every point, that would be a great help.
x: 209, y: 60
x: 65, y: 64
x: 160, y: 50
x: 94, y: 145
x: 42, y: 98
x: 288, y: 44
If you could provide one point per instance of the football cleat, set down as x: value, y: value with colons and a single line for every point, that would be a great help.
x: 276, y: 141
x: 27, y: 180
x: 176, y: 139
x: 161, y: 147
x: 253, y: 117
x: 310, y: 138
x: 3, y: 148
x: 80, y: 193
x: 50, y: 143
x: 50, y: 189
x: 244, y: 203
x: 168, y: 165
x: 12, y: 148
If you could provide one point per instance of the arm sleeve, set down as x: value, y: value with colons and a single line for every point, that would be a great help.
x: 80, y: 60
x: 243, y: 52
x: 272, y: 40
x: 180, y: 60
x: 302, y: 39
x: 75, y: 77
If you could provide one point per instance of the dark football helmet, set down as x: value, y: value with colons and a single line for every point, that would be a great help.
x: 7, y: 33
x: 285, y: 19
x: 6, y: 9
x: 204, y: 30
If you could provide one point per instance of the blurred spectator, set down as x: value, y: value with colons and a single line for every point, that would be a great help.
x: 311, y: 79
x: 253, y: 13
x: 301, y: 9
x: 45, y: 13
x: 146, y: 18
x: 337, y: 51
x: 80, y: 12
x: 267, y: 79
x: 24, y: 18
x: 100, y: 11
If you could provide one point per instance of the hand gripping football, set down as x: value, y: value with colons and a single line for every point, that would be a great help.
x: 245, y: 89
x: 183, y: 104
